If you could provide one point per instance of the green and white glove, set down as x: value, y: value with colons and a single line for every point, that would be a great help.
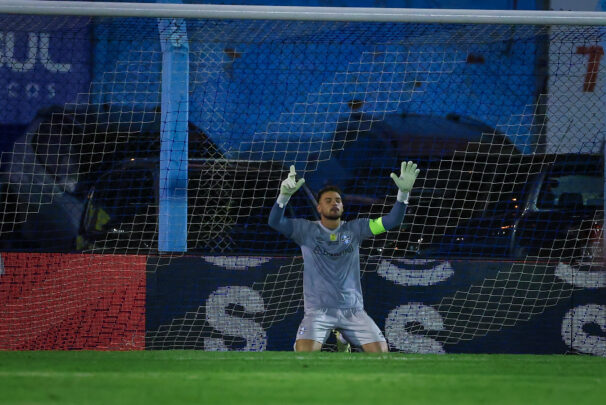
x: 289, y: 186
x: 408, y: 175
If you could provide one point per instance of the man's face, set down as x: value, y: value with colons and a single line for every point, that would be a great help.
x: 330, y: 205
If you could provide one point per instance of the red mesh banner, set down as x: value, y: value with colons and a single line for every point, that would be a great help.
x: 67, y: 301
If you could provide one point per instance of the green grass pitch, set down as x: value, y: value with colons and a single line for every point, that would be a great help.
x: 196, y: 377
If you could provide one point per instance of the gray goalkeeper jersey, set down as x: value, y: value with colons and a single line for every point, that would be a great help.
x: 331, y: 276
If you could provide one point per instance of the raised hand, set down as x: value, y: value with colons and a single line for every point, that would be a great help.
x: 290, y: 185
x: 408, y: 175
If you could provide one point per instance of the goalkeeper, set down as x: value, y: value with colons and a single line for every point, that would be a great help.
x: 331, y: 263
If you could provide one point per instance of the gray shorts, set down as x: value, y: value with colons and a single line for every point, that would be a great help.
x: 356, y: 326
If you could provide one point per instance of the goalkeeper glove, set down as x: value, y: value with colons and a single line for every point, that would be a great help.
x: 408, y: 175
x: 289, y: 186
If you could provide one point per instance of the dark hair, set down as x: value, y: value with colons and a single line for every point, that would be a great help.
x: 326, y: 189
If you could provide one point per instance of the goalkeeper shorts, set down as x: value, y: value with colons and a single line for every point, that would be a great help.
x: 354, y: 324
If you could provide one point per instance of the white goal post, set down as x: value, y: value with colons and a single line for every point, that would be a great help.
x: 294, y: 13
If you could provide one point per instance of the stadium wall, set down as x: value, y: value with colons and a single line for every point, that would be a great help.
x: 256, y: 99
x: 109, y: 67
x: 106, y: 302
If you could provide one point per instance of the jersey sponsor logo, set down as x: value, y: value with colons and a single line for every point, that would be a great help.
x: 319, y: 250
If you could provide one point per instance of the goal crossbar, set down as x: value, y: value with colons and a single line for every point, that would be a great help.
x: 343, y: 14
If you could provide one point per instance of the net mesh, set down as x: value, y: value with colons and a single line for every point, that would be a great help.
x: 505, y: 122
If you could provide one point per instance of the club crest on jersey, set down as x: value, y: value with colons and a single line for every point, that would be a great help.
x: 346, y: 239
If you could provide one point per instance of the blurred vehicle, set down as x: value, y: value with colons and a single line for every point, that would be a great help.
x: 228, y: 207
x: 84, y: 179
x: 461, y: 162
x: 42, y: 200
x: 556, y: 213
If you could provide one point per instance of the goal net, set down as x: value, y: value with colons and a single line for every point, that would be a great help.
x: 137, y: 150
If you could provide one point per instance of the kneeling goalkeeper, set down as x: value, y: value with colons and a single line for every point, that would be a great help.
x: 331, y: 263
